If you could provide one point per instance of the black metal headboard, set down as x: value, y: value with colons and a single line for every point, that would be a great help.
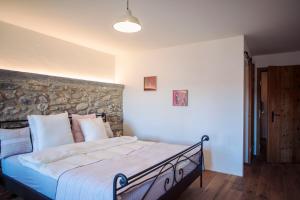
x: 13, y: 124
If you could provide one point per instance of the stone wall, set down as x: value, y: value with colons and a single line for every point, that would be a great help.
x: 22, y: 94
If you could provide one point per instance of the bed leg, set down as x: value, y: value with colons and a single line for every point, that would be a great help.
x: 201, y: 170
x: 201, y: 179
x: 201, y: 161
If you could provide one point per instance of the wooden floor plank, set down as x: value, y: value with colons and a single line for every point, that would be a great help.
x: 261, y: 181
x: 262, y: 185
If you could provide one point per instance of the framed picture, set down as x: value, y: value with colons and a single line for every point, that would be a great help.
x: 180, y: 97
x: 150, y: 83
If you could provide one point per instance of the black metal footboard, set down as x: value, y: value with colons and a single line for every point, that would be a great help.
x: 174, y: 183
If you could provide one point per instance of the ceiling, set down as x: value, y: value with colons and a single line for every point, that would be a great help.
x: 270, y: 26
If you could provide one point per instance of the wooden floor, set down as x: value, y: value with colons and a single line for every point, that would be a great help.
x: 260, y: 181
x: 4, y: 195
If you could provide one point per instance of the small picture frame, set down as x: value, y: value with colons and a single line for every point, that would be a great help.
x: 150, y: 83
x: 180, y: 97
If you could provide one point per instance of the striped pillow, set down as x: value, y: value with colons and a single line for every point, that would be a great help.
x: 109, y: 132
x: 14, y: 141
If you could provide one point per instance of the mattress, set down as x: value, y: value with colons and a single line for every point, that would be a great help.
x: 47, y: 185
x: 43, y: 184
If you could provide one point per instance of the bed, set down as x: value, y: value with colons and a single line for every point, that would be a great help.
x: 157, y: 170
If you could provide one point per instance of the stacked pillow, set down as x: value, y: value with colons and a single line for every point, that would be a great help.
x: 85, y: 127
x: 50, y: 131
x: 76, y: 130
x: 15, y: 141
x: 93, y: 129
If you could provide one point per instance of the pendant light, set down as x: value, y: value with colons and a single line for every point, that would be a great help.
x: 129, y: 23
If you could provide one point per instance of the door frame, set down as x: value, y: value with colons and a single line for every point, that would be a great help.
x: 249, y: 110
x: 258, y: 101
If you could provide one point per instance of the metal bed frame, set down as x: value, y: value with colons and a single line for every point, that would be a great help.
x: 174, y: 184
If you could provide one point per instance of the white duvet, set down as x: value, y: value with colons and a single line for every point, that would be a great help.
x: 55, y: 161
x: 85, y: 171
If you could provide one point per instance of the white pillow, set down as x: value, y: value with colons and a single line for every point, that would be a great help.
x: 108, y: 130
x: 92, y: 129
x: 14, y: 142
x: 50, y: 130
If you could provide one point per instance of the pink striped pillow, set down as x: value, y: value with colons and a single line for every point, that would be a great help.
x: 76, y: 130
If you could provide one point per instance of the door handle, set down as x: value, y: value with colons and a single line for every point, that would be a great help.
x: 274, y: 115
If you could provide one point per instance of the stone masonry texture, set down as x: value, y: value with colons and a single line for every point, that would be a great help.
x: 22, y: 94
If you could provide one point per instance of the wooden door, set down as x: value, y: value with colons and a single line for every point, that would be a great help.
x: 284, y: 114
x: 264, y: 105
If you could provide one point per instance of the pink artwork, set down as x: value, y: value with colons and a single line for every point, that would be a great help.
x: 150, y: 83
x: 180, y: 97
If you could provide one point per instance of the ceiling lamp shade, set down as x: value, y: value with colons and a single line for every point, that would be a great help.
x: 129, y: 23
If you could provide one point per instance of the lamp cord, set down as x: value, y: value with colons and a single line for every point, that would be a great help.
x: 127, y: 4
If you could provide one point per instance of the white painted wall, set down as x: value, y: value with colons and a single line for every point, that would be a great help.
x: 28, y: 51
x: 213, y: 72
x: 279, y: 59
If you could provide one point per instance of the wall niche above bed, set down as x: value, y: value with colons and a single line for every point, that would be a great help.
x: 22, y: 94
